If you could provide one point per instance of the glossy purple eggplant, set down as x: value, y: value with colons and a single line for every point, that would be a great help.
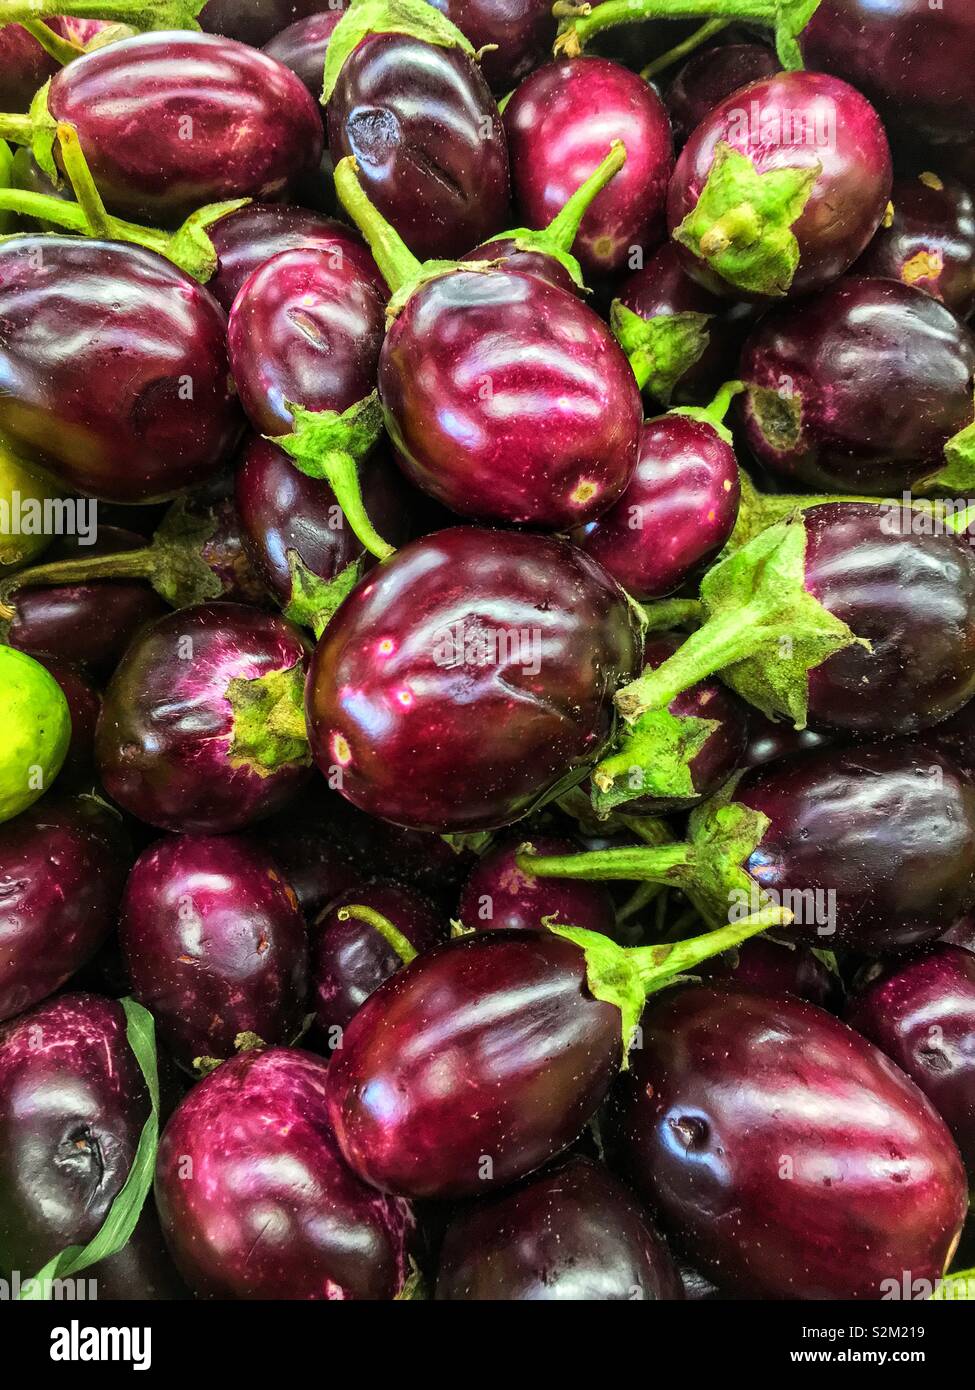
x: 215, y: 945
x: 929, y: 242
x: 887, y: 606
x: 676, y: 514
x: 352, y: 956
x: 443, y: 1088
x: 270, y: 1211
x: 908, y: 55
x: 72, y: 1106
x: 572, y: 1234
x: 306, y: 329
x: 75, y: 310
x: 922, y: 1014
x: 693, y: 338
x: 201, y: 729
x: 672, y: 759
x: 520, y: 638
x: 711, y: 75
x: 559, y: 124
x: 870, y: 847
x: 420, y: 121
x: 62, y: 870
x: 769, y: 740
x: 295, y: 531
x: 170, y: 122
x: 776, y: 967
x: 498, y: 896
x: 485, y: 1057
x: 789, y: 1157
x: 245, y: 239
x: 863, y: 388
x: 89, y: 625
x: 517, y: 33
x: 257, y: 21
x: 302, y: 46
x: 25, y: 65
x: 509, y: 400
x: 781, y: 187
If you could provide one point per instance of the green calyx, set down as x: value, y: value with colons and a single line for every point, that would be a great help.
x: 764, y: 632
x: 662, y: 349
x: 556, y: 240
x: 958, y: 473
x: 329, y: 445
x: 714, y: 414
x: 364, y: 17
x: 143, y: 15
x: 391, y: 934
x: 313, y: 600
x: 124, y: 1213
x: 741, y: 225
x: 189, y: 247
x: 787, y: 18
x: 627, y: 976
x: 654, y: 759
x: 269, y: 730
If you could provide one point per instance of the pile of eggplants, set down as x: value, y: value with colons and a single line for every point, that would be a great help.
x: 487, y: 649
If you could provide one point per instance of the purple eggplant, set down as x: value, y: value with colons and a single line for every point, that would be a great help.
x: 559, y: 124
x: 304, y: 339
x: 519, y: 637
x: 407, y: 101
x: 499, y: 897
x: 781, y: 187
x: 361, y: 939
x: 90, y: 624
x: 62, y: 871
x: 202, y: 729
x: 908, y: 55
x: 257, y: 21
x: 679, y: 509
x: 870, y: 847
x: 711, y: 75
x: 516, y: 34
x: 245, y: 239
x: 297, y: 535
x: 485, y: 1057
x: 215, y: 946
x: 302, y: 46
x: 850, y: 615
x: 505, y: 397
x: 572, y: 1234
x: 928, y: 241
x: 865, y: 388
x: 769, y: 740
x: 682, y: 341
x: 255, y: 1201
x: 75, y: 310
x: 25, y: 65
x: 73, y: 1103
x: 789, y: 1157
x: 922, y: 1014
x: 672, y: 758
x: 172, y: 121
x: 776, y: 967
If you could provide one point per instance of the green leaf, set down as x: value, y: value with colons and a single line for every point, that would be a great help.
x: 365, y: 17
x: 742, y: 223
x: 654, y: 758
x: 124, y: 1213
x: 314, y: 601
x: 660, y: 349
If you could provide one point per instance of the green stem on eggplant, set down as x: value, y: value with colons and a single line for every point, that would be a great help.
x: 390, y: 933
x: 683, y: 50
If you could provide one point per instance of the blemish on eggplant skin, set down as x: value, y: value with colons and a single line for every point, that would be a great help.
x: 778, y: 416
